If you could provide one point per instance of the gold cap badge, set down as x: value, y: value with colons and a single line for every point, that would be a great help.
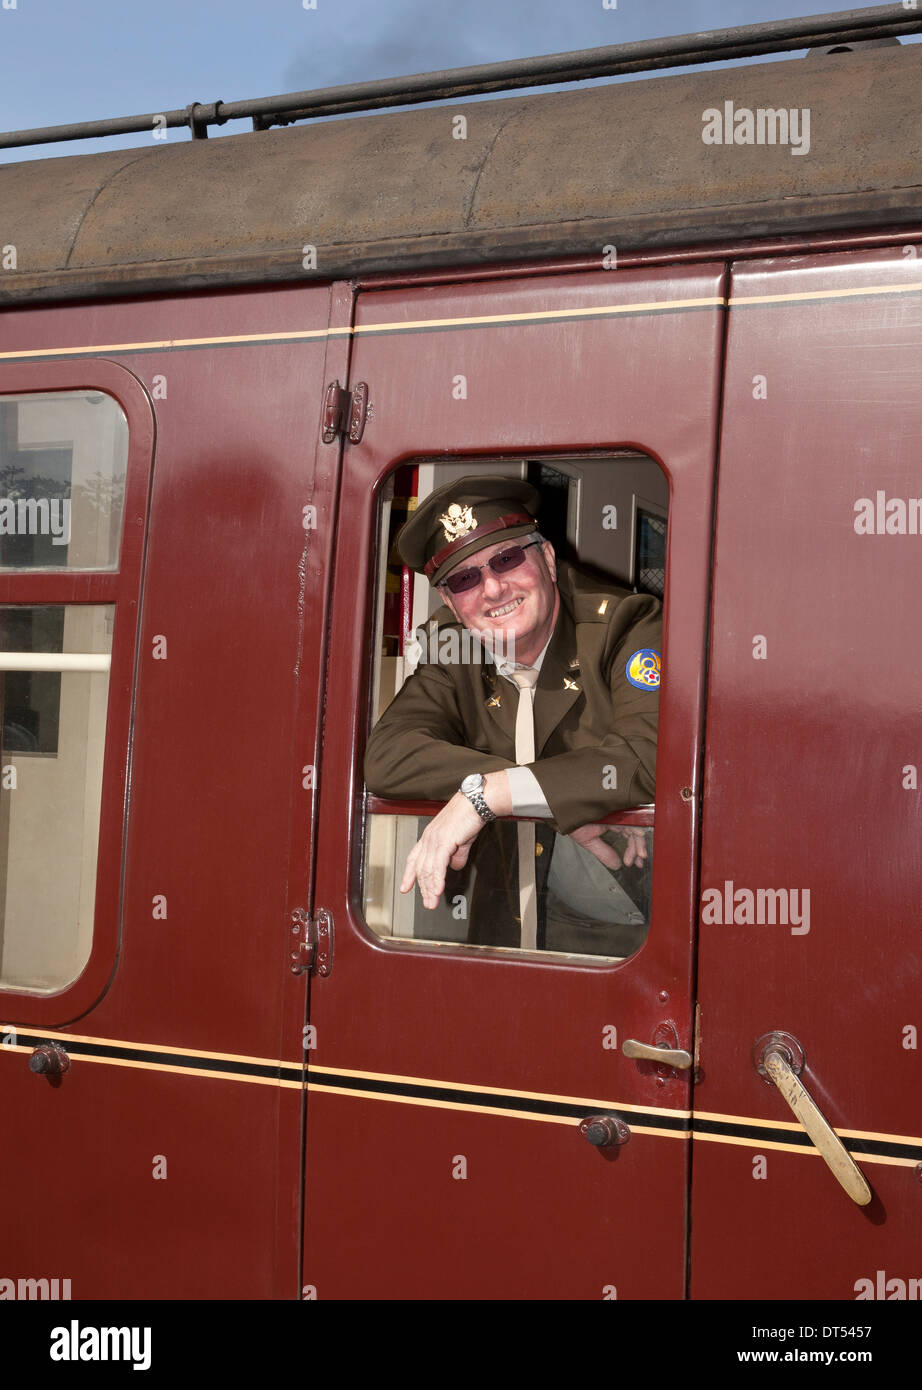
x: 458, y: 521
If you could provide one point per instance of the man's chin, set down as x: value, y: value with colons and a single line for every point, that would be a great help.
x: 500, y: 641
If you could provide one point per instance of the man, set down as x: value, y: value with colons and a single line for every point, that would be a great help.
x: 554, y: 718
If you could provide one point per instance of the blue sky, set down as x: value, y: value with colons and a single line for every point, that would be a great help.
x: 79, y: 60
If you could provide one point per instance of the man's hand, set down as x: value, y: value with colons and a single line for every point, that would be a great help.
x: 447, y: 839
x: 590, y: 837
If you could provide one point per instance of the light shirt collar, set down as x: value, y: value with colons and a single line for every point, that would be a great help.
x: 505, y: 668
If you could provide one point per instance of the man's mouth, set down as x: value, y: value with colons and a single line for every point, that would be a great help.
x: 506, y: 608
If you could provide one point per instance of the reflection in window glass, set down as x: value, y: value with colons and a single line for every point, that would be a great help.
x: 651, y: 553
x: 584, y: 908
x: 31, y: 699
x: 63, y: 456
x: 51, y: 786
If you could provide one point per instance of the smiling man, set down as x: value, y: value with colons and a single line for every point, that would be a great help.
x: 554, y: 718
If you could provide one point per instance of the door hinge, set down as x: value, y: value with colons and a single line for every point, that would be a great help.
x: 345, y: 412
x: 313, y: 950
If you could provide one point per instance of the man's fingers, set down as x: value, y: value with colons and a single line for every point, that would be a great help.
x: 604, y: 853
x: 636, y: 849
x: 590, y: 837
x: 425, y: 867
x: 440, y: 845
x: 409, y: 871
x: 431, y: 880
x: 412, y: 867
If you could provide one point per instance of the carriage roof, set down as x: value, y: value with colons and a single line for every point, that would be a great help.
x: 560, y: 173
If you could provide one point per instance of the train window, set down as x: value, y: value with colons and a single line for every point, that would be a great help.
x: 607, y: 519
x: 54, y: 679
x: 63, y: 457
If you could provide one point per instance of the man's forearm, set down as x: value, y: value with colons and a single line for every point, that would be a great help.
x: 497, y: 793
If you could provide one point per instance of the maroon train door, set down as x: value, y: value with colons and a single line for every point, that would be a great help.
x: 809, y: 938
x: 448, y: 1082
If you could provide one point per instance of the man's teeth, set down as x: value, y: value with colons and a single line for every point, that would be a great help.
x: 507, y: 608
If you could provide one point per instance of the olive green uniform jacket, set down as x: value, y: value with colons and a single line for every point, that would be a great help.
x: 595, y: 736
x: 595, y: 732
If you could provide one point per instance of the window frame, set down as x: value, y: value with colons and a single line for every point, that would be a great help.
x: 367, y: 804
x: 120, y: 587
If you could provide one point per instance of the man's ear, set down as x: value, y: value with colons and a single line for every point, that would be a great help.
x: 445, y: 596
x: 547, y: 550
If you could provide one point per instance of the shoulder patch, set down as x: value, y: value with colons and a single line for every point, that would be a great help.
x: 643, y: 669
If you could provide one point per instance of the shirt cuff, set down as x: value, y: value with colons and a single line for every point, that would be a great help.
x: 527, y: 797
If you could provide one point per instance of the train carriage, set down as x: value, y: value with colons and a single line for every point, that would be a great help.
x: 236, y: 1061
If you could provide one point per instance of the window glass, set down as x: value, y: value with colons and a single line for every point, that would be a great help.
x: 54, y: 681
x: 63, y: 458
x: 584, y: 908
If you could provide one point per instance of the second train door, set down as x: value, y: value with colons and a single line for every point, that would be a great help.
x: 809, y: 941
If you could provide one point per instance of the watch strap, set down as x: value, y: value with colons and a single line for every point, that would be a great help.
x: 480, y: 806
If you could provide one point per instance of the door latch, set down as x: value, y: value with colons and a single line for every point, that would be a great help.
x: 313, y: 950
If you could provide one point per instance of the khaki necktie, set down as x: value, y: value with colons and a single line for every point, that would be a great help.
x: 525, y: 678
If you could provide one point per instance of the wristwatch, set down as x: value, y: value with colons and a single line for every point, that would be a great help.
x: 472, y: 788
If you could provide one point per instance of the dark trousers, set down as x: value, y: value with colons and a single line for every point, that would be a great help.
x: 494, y: 918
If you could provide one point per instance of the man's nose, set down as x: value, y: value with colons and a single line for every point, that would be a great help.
x: 493, y: 585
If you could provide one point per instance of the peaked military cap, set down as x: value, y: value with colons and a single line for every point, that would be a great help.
x: 462, y: 517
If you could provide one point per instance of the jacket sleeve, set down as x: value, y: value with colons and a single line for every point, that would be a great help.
x: 417, y: 748
x: 615, y: 767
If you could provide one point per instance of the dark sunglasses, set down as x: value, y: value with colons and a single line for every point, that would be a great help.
x: 463, y: 580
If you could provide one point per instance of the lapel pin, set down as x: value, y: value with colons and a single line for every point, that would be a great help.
x: 494, y: 702
x: 568, y: 684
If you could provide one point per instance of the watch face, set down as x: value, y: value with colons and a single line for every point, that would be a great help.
x: 472, y: 783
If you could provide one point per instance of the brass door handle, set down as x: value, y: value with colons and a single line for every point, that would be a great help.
x: 666, y: 1056
x: 780, y: 1057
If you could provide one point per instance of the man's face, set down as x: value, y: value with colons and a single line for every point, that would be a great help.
x: 520, y: 606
